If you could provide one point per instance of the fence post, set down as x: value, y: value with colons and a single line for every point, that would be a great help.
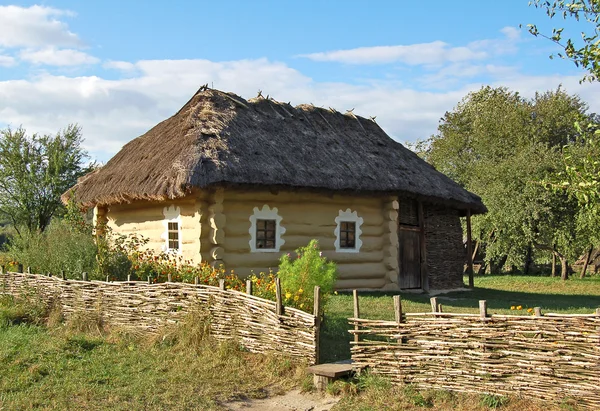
x: 84, y: 276
x: 222, y: 284
x: 20, y: 268
x: 249, y: 287
x: 28, y: 270
x: 279, y: 308
x: 440, y: 308
x: 107, y: 279
x: 483, y: 309
x: 598, y: 311
x: 128, y: 277
x: 398, y: 308
x: 434, y: 304
x: 1, y: 269
x: 196, y: 280
x: 537, y: 311
x: 62, y: 274
x: 317, y: 314
x: 169, y: 277
x: 149, y: 279
x: 356, y: 314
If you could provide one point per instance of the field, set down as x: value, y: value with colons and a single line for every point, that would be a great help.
x: 81, y: 366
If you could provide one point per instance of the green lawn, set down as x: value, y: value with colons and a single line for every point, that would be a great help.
x: 500, y: 291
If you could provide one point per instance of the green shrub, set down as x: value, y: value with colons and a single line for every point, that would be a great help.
x: 59, y: 247
x: 300, y: 275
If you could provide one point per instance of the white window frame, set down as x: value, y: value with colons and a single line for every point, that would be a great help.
x: 350, y: 217
x: 266, y: 213
x: 172, y: 214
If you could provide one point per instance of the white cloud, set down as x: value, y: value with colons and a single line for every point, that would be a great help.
x: 7, y: 61
x: 35, y: 26
x: 436, y: 52
x: 113, y: 112
x: 52, y: 56
x: 119, y: 65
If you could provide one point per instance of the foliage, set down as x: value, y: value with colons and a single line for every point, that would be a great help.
x: 59, y: 248
x: 585, y: 54
x: 299, y: 276
x: 500, y: 145
x: 34, y: 172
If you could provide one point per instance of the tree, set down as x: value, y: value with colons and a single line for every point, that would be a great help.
x: 585, y: 54
x: 500, y: 146
x: 34, y: 172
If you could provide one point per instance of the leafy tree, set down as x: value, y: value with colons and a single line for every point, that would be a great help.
x: 34, y: 171
x: 585, y: 54
x: 500, y: 145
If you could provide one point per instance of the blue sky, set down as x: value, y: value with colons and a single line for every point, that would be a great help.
x: 119, y: 67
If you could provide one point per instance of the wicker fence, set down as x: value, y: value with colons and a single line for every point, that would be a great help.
x: 551, y: 357
x: 260, y: 325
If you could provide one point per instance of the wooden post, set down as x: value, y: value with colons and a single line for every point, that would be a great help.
x: 434, y: 304
x: 1, y: 269
x: 537, y: 311
x: 398, y: 308
x: 422, y: 248
x: 20, y: 268
x: 196, y: 280
x: 84, y: 276
x: 28, y: 270
x: 356, y: 313
x: 62, y: 274
x: 469, y: 250
x: 249, y: 287
x: 440, y: 309
x: 169, y: 277
x: 483, y: 309
x: 598, y: 312
x: 107, y: 279
x: 222, y: 284
x: 128, y: 277
x: 149, y: 279
x: 279, y: 301
x: 317, y: 314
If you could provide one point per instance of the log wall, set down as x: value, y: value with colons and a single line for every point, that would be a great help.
x: 307, y: 216
x: 548, y: 357
x: 251, y: 320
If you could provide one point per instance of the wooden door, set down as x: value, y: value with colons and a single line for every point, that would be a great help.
x: 410, y: 257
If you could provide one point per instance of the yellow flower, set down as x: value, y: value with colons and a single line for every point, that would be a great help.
x: 296, y: 298
x: 512, y: 307
x: 300, y: 291
x: 335, y: 292
x: 302, y: 305
x: 288, y: 295
x: 519, y: 307
x: 530, y: 310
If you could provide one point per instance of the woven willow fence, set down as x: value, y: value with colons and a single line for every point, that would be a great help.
x: 550, y: 357
x: 260, y: 325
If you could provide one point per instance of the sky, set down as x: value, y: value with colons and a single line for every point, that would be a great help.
x: 117, y: 68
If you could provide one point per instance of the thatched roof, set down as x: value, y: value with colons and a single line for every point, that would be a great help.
x: 219, y: 138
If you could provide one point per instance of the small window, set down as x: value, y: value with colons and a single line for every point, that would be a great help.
x: 173, y: 235
x: 265, y: 234
x: 347, y: 234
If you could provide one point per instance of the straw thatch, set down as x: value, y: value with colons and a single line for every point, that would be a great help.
x: 219, y: 138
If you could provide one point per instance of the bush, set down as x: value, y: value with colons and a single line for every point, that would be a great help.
x: 59, y: 247
x: 299, y: 276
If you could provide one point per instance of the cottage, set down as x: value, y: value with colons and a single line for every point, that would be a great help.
x: 239, y: 182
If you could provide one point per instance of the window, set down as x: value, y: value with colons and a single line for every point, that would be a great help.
x: 409, y: 212
x: 347, y: 234
x: 172, y: 229
x: 265, y: 230
x: 173, y: 236
x: 266, y: 233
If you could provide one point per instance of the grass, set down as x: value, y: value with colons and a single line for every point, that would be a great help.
x: 501, y: 292
x: 62, y: 368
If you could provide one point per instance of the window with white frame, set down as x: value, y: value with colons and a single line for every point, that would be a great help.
x: 266, y: 230
x: 347, y: 232
x: 172, y: 233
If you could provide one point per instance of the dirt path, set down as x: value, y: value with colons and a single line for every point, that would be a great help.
x: 291, y: 401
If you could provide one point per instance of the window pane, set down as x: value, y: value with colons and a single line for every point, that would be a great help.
x: 173, y: 236
x: 270, y: 224
x: 173, y: 227
x: 270, y: 244
x: 260, y: 224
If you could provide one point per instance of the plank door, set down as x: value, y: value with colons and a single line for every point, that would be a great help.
x: 410, y: 258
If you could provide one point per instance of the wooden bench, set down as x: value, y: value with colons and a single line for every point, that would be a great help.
x: 326, y: 373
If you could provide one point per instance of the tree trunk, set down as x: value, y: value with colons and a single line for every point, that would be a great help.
x: 497, y: 267
x: 564, y: 268
x: 587, y: 261
x: 528, y: 260
x: 553, y: 260
x: 475, y: 249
